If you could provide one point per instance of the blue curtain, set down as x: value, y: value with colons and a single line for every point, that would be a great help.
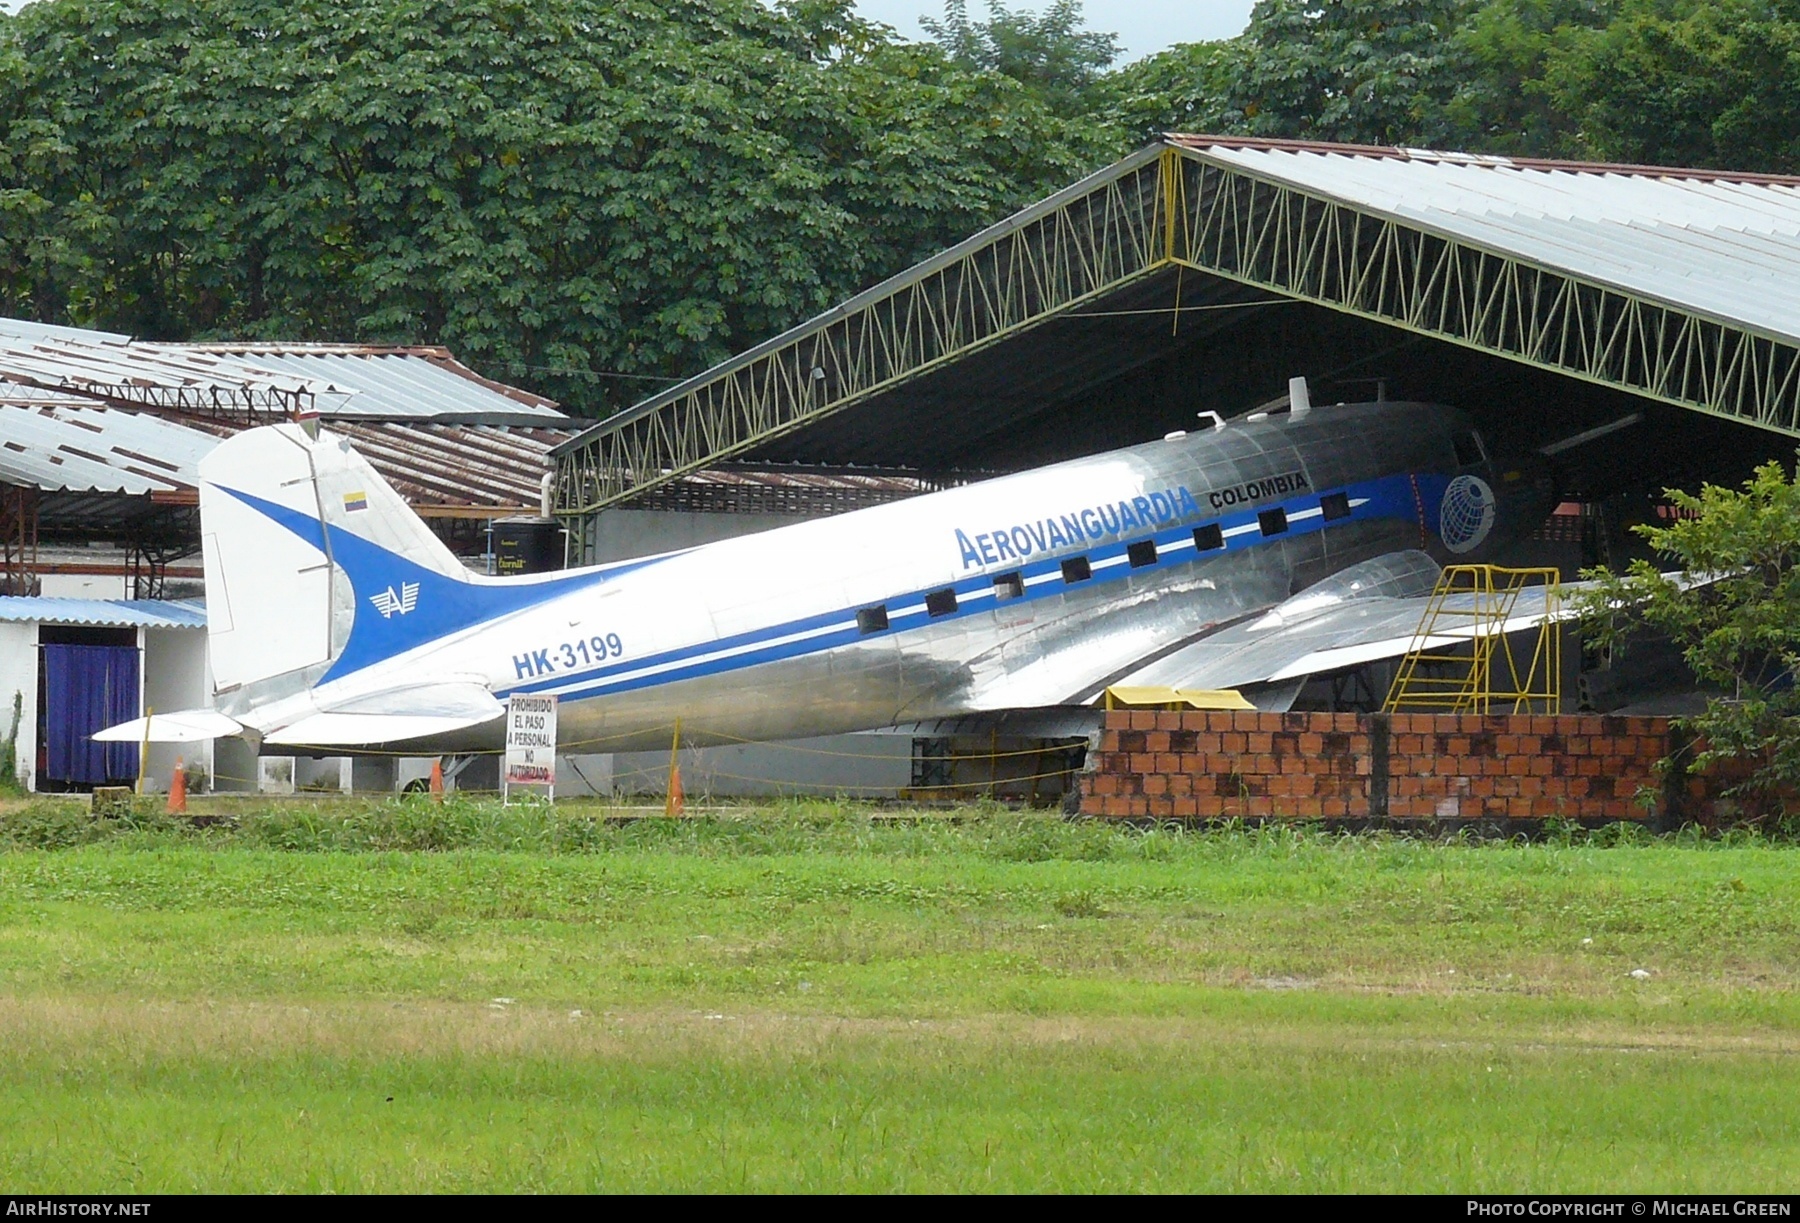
x: 88, y: 688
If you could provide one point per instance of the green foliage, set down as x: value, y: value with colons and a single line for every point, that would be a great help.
x: 610, y: 185
x: 9, y: 750
x: 1051, y: 54
x: 417, y: 824
x: 1670, y: 82
x: 1357, y: 71
x: 1686, y: 84
x: 1187, y: 88
x: 591, y: 197
x: 1731, y: 603
x: 1501, y: 100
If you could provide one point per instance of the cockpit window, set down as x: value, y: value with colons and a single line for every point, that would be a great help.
x: 1469, y: 451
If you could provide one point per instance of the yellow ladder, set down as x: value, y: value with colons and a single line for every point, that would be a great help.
x: 1460, y: 660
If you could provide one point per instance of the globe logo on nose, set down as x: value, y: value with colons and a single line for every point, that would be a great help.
x: 1466, y: 514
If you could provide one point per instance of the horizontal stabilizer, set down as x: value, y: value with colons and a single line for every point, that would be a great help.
x: 181, y: 726
x: 393, y: 715
x: 466, y: 701
x: 362, y: 729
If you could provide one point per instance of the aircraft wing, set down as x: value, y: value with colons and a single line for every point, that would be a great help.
x: 1272, y: 649
x: 1178, y: 643
x: 393, y: 715
x: 1366, y: 612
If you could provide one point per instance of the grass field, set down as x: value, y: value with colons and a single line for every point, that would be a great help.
x: 396, y: 996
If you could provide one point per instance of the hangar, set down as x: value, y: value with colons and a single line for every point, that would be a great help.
x: 1642, y: 322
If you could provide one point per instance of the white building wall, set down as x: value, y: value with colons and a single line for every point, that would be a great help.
x: 618, y: 535
x: 19, y: 674
x: 175, y: 678
x: 84, y: 586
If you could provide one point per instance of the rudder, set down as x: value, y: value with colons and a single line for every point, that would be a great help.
x: 283, y: 594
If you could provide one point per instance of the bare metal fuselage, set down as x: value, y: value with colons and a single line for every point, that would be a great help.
x: 760, y: 638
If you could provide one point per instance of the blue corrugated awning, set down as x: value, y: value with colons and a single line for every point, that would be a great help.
x: 104, y: 613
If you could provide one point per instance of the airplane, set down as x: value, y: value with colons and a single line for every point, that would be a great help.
x: 1247, y: 554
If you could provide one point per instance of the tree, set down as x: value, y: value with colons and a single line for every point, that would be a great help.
x: 1357, y: 71
x: 1731, y: 604
x: 1187, y: 88
x: 1671, y: 82
x: 1686, y: 83
x: 1052, y: 55
x: 1500, y: 100
x: 618, y: 186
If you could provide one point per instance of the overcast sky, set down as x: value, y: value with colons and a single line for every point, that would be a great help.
x: 1143, y: 26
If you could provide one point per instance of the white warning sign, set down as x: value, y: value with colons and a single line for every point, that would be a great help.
x: 530, y: 741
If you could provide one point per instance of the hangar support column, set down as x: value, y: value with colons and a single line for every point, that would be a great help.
x: 18, y: 540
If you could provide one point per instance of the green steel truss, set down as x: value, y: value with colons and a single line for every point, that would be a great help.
x: 1318, y: 250
x: 1164, y: 207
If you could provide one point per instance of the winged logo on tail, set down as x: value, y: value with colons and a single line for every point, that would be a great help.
x: 390, y: 604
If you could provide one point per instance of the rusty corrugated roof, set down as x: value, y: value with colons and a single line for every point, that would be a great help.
x: 394, y: 382
x: 56, y: 443
x: 254, y: 382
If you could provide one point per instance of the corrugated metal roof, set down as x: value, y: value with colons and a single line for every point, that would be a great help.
x: 104, y: 613
x: 58, y: 442
x: 361, y: 381
x: 1710, y: 242
x: 73, y: 447
x: 450, y: 465
x: 784, y: 489
x: 117, y: 368
x: 422, y: 383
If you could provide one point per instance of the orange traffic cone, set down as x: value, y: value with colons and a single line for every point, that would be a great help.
x: 437, y: 779
x: 178, y: 791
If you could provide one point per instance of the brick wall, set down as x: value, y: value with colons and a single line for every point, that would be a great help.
x: 1373, y: 766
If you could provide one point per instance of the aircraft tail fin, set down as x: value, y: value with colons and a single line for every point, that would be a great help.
x: 293, y: 529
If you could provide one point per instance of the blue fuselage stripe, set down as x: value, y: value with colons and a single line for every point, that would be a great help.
x: 1387, y: 497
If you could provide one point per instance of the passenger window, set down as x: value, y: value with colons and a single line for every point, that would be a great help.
x: 1209, y: 538
x: 1272, y: 522
x: 1008, y: 586
x: 1335, y: 506
x: 1142, y: 553
x: 1468, y: 449
x: 941, y: 602
x: 872, y: 619
x: 1077, y: 569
